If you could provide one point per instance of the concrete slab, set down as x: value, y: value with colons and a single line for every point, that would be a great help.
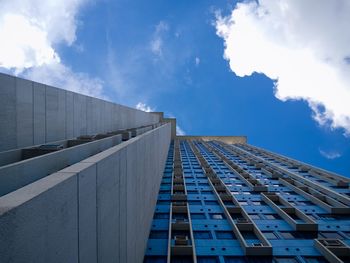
x: 39, y: 222
x: 24, y: 113
x: 107, y: 209
x: 69, y: 115
x: 8, y: 123
x: 39, y: 113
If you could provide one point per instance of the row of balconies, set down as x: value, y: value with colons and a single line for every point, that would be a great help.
x: 180, y: 242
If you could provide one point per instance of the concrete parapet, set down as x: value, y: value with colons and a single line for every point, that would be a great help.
x: 19, y: 174
x: 32, y: 113
x: 97, y: 210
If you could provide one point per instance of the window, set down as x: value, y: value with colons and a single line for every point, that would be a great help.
x: 272, y: 216
x: 161, y: 216
x: 202, y: 259
x: 254, y: 216
x: 195, y: 202
x: 155, y: 259
x: 315, y: 260
x: 287, y: 235
x: 249, y: 235
x: 202, y: 235
x: 326, y: 216
x: 182, y: 259
x: 285, y: 260
x: 298, y: 235
x: 334, y: 235
x: 228, y: 203
x: 270, y: 235
x: 224, y: 235
x: 217, y: 216
x: 180, y: 216
x: 305, y: 203
x: 156, y: 234
x: 243, y: 203
x: 210, y: 202
x: 250, y: 259
x: 163, y: 202
x: 198, y: 216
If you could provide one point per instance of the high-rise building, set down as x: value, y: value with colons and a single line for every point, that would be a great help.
x: 226, y: 202
x: 87, y: 180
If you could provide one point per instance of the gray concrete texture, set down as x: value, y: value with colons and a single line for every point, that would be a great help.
x: 32, y: 113
x: 97, y: 210
x: 19, y: 174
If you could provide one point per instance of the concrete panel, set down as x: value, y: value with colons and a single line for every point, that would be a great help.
x: 61, y: 116
x: 8, y: 121
x: 93, y: 116
x: 108, y: 116
x: 123, y: 205
x: 108, y: 209
x: 69, y: 115
x: 140, y: 189
x: 39, y: 113
x: 10, y: 156
x: 52, y: 112
x: 39, y: 222
x: 86, y: 173
x: 100, y: 107
x: 115, y: 117
x: 80, y: 116
x: 24, y: 112
x: 131, y: 207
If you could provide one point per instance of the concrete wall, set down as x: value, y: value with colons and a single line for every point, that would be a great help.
x: 98, y: 210
x: 19, y: 174
x: 32, y: 113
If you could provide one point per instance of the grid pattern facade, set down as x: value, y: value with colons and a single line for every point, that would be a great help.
x: 239, y: 203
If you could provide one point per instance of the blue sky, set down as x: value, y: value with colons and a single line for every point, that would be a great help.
x: 168, y: 55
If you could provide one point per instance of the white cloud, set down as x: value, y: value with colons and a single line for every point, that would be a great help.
x: 144, y: 107
x: 330, y: 154
x: 302, y: 45
x: 157, y: 39
x: 179, y: 130
x: 29, y: 32
x: 197, y: 60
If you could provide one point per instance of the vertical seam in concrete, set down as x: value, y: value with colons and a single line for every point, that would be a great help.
x: 86, y: 115
x: 15, y: 79
x: 126, y: 195
x: 96, y: 214
x: 78, y: 216
x: 45, y: 114
x: 33, y: 112
x: 65, y: 116
x: 120, y: 203
x: 73, y: 117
